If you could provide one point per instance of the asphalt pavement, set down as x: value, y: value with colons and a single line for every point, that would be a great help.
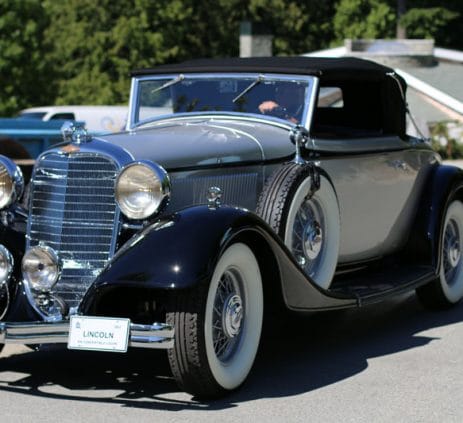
x: 393, y: 362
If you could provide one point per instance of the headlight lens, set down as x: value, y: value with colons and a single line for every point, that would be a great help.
x: 41, y: 268
x: 6, y: 264
x: 11, y: 182
x: 141, y: 189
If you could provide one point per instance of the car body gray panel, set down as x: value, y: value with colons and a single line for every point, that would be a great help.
x: 378, y: 196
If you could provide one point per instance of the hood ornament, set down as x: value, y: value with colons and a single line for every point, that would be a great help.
x: 75, y: 132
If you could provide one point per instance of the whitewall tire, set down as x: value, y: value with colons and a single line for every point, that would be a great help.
x: 447, y: 289
x: 218, y: 326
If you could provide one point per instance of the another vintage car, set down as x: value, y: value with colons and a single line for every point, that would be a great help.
x: 238, y: 184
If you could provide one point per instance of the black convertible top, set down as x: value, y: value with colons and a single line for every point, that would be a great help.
x: 373, y: 99
x: 325, y: 68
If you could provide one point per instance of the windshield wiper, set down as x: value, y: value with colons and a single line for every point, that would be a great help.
x: 259, y: 79
x: 174, y: 81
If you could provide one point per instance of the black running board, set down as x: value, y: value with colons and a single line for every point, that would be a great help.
x: 371, y: 286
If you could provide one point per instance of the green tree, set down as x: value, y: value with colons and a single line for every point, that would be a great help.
x: 438, y: 19
x: 25, y: 77
x: 298, y: 27
x: 82, y: 51
x: 364, y: 19
x: 97, y: 44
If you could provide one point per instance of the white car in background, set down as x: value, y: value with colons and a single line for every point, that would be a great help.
x: 98, y: 119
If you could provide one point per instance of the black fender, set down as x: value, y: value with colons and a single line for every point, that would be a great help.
x: 444, y: 185
x: 181, y: 250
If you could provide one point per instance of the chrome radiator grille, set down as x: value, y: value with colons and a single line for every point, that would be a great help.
x: 73, y: 211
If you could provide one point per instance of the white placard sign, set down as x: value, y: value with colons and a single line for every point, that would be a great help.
x: 99, y: 333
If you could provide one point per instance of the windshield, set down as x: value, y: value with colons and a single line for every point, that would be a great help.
x: 282, y: 97
x: 32, y: 115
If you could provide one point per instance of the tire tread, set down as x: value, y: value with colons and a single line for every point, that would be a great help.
x: 273, y: 202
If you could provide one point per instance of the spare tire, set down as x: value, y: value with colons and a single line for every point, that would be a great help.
x: 302, y: 208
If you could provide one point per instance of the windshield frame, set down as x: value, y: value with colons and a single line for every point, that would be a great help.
x: 309, y: 102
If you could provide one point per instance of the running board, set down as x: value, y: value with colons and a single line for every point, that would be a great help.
x: 374, y: 285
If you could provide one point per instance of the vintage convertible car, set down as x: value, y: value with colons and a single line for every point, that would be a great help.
x: 239, y: 184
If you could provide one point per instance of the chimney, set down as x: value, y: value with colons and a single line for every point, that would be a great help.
x: 255, y: 40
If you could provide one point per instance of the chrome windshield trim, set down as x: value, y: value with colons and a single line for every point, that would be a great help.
x: 306, y: 117
x: 214, y: 116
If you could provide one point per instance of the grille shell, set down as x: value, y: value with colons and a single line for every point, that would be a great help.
x: 73, y: 211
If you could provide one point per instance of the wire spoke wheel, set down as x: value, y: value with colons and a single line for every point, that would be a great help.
x: 307, y: 238
x: 451, y: 251
x: 312, y: 231
x: 228, y: 315
x: 447, y: 289
x: 218, y: 326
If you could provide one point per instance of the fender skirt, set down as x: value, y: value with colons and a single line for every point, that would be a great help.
x: 181, y: 251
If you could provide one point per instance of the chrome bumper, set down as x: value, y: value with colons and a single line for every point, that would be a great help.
x: 157, y: 335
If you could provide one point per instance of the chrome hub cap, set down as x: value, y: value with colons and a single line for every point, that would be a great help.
x: 452, y: 250
x: 307, y: 239
x: 454, y: 254
x: 232, y: 316
x: 228, y: 315
x: 312, y: 240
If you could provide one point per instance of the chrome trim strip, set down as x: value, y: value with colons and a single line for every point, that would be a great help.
x: 238, y: 131
x: 313, y: 98
x: 220, y: 116
x: 157, y: 335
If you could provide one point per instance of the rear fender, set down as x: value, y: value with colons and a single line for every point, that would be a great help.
x: 445, y: 184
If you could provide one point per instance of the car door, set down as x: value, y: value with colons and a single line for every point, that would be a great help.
x: 378, y: 182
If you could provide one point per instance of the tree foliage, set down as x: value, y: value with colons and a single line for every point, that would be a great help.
x: 428, y: 22
x: 24, y: 76
x: 96, y: 44
x: 82, y: 51
x: 364, y: 19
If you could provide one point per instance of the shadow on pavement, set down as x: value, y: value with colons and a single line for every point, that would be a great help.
x: 298, y: 354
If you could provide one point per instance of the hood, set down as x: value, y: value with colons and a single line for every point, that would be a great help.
x: 181, y: 144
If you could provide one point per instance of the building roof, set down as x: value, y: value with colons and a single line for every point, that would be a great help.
x: 446, y: 76
x: 435, y: 92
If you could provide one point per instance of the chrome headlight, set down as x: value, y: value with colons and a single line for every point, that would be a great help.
x: 41, y: 268
x: 142, y: 188
x: 11, y: 182
x: 6, y: 264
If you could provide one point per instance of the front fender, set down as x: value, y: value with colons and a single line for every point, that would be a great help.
x: 175, y: 252
x: 181, y: 250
